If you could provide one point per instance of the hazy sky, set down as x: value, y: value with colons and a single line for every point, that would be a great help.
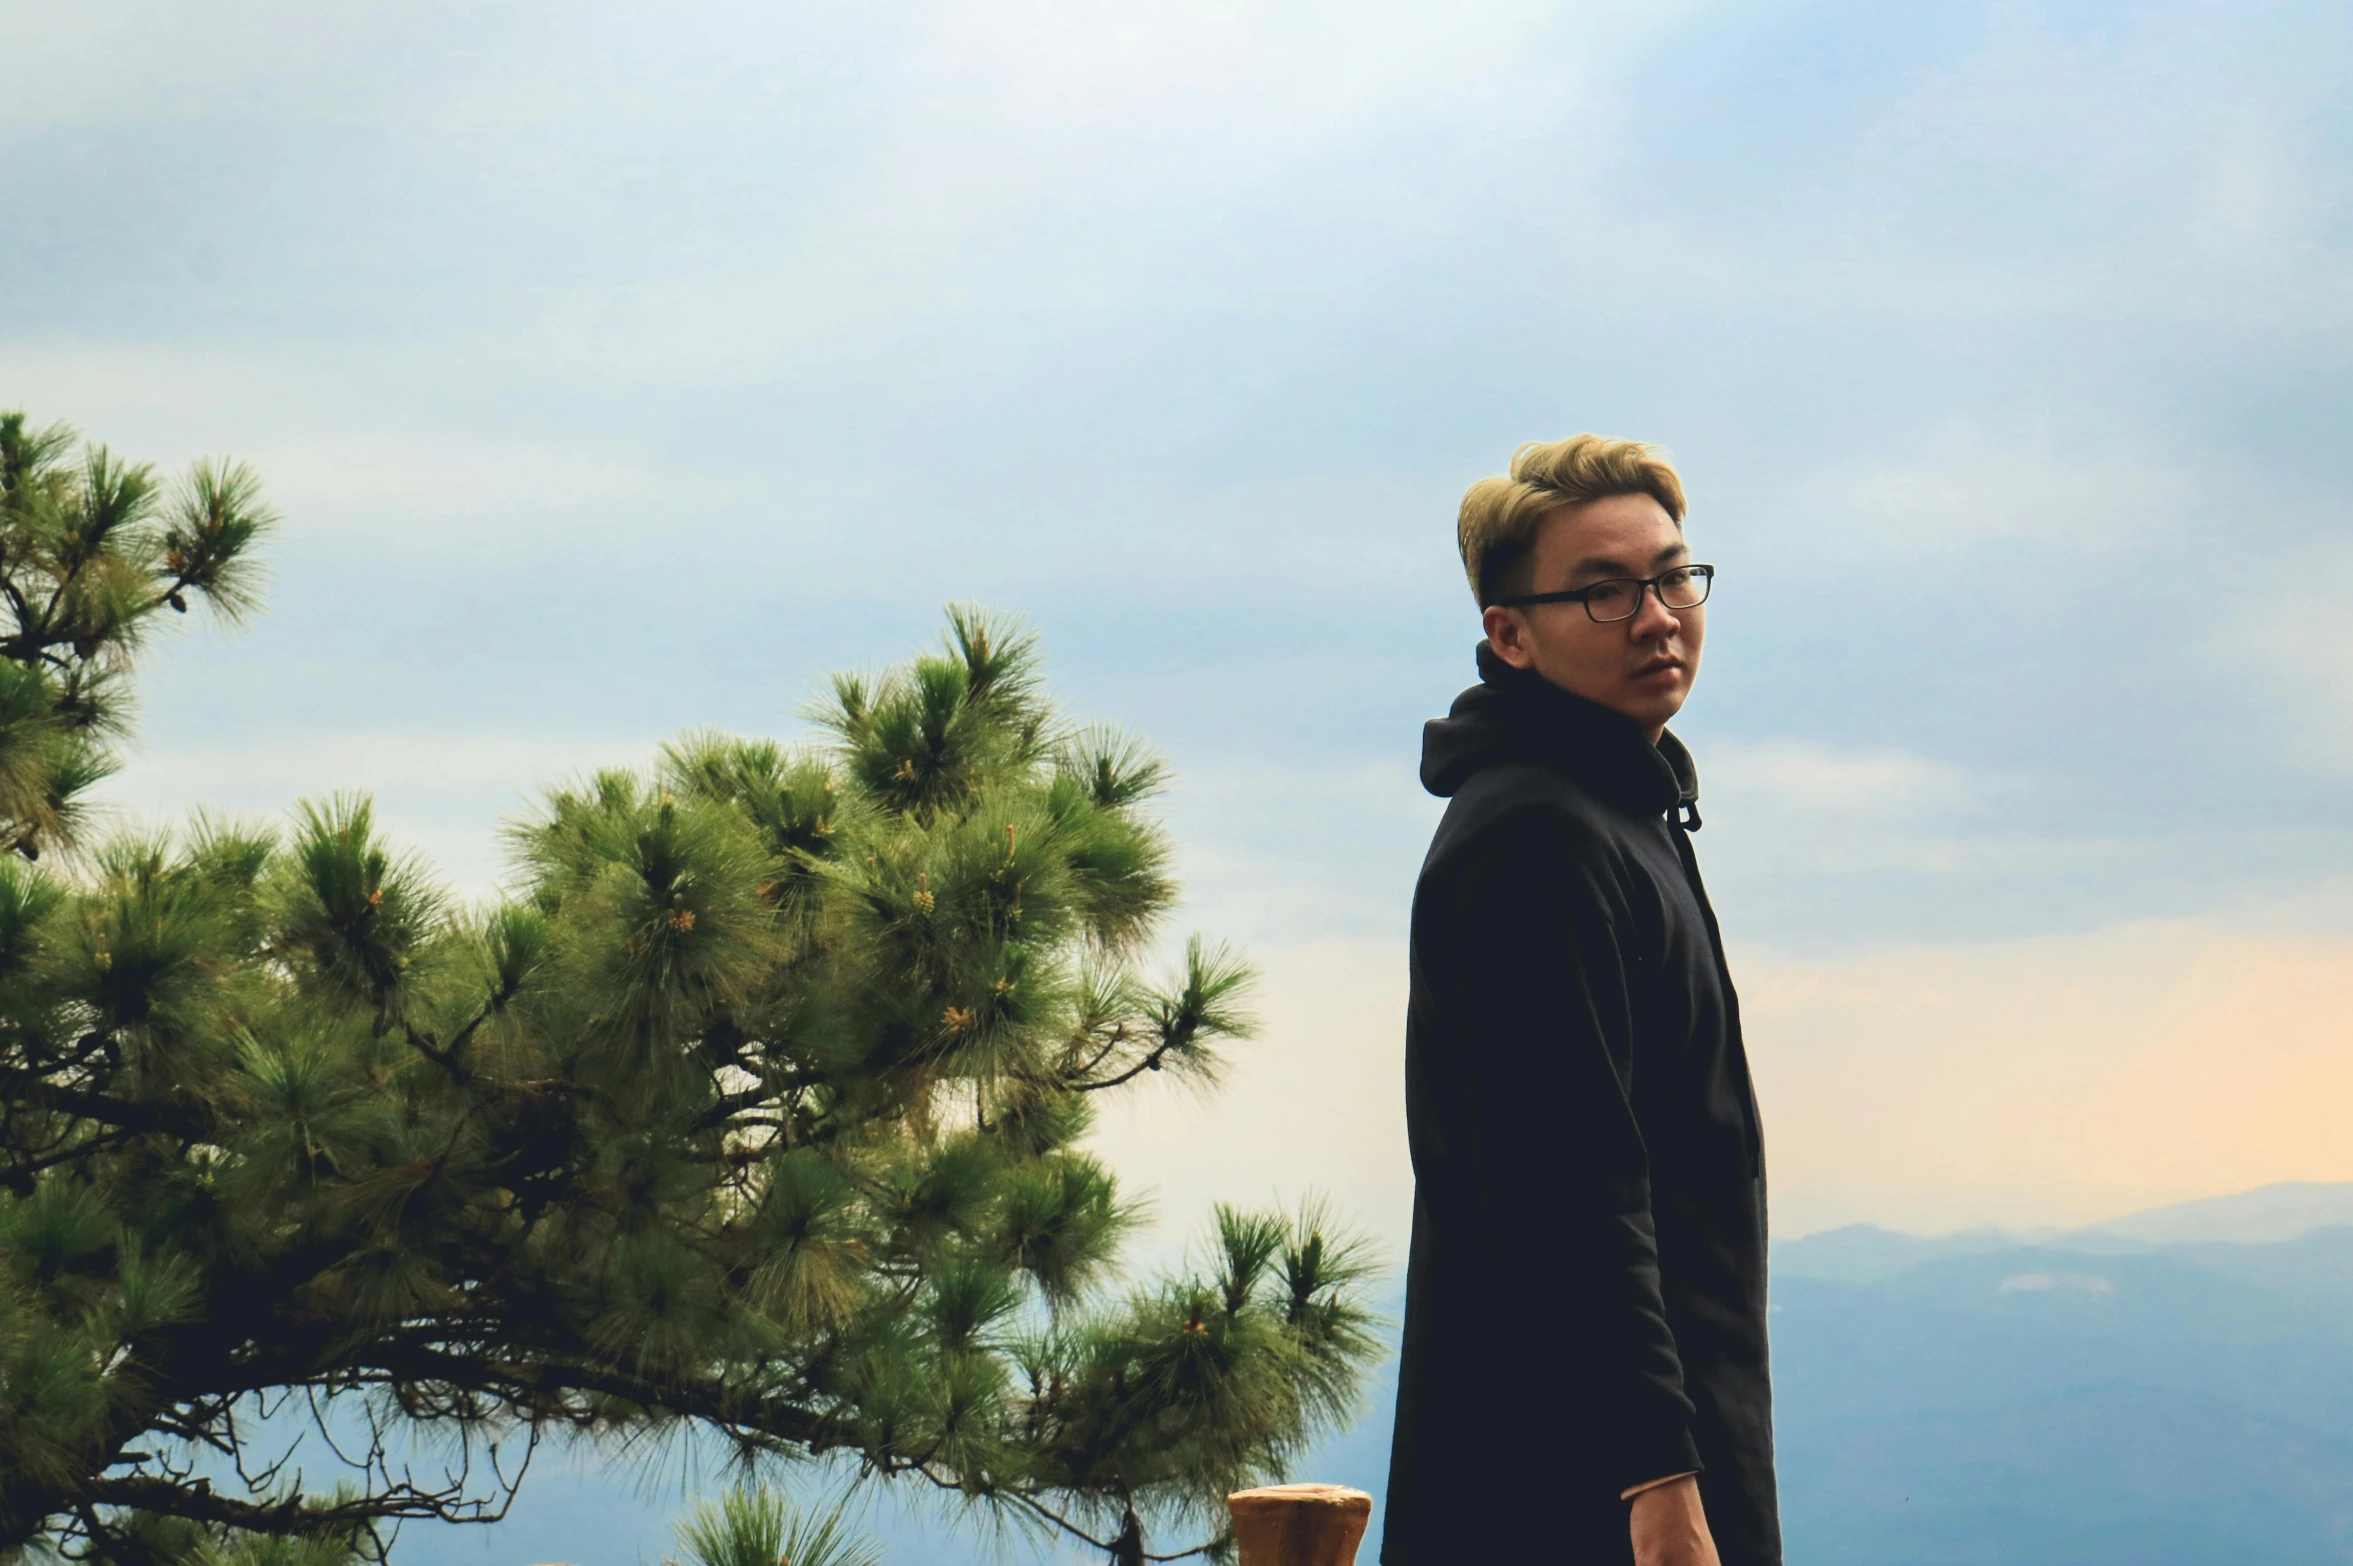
x: 620, y: 369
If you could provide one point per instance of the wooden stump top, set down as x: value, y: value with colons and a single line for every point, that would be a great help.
x: 1299, y: 1524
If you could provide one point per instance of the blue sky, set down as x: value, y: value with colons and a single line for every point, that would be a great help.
x: 621, y: 369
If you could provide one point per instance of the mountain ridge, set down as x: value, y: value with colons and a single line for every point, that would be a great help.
x: 2095, y: 1397
x: 2266, y: 1215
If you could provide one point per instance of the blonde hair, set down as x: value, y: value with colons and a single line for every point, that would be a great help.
x: 1497, y: 530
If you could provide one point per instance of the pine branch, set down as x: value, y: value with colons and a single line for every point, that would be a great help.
x: 34, y: 1088
x: 294, y: 1516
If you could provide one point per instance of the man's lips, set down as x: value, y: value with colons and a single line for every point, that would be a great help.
x: 1658, y: 666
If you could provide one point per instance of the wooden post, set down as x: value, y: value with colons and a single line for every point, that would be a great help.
x: 1299, y: 1524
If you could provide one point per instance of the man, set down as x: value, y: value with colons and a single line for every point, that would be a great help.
x: 1584, y: 1375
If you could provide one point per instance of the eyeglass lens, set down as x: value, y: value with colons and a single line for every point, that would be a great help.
x: 1620, y: 598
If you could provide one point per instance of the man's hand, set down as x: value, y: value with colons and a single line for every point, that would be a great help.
x: 1669, y: 1527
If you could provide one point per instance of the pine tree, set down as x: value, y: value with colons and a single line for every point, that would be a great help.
x: 91, y: 550
x: 757, y: 1109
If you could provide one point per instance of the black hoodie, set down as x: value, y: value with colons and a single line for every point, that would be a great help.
x: 1585, y: 1306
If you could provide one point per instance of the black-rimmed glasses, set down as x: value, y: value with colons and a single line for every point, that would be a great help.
x: 1620, y: 597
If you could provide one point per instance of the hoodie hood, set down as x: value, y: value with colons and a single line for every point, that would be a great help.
x: 1516, y: 715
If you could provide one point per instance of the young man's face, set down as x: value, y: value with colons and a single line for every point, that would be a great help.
x: 1642, y: 667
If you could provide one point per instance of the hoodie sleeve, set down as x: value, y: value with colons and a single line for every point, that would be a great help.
x: 1545, y: 1168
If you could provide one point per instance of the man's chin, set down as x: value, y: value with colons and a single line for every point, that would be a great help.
x: 1649, y: 709
x: 1650, y: 704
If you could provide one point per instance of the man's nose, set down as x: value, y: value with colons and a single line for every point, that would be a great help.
x: 1653, y: 618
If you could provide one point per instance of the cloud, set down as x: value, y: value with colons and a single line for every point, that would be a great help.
x: 2059, y: 1080
x: 372, y: 759
x: 1794, y: 776
x: 1314, y: 1105
x: 2046, y: 1282
x: 2172, y: 162
x: 2053, y: 1081
x: 354, y: 455
x: 1249, y: 86
x: 442, y: 793
x: 161, y: 60
x: 1270, y: 852
x: 2285, y: 640
x: 1964, y: 485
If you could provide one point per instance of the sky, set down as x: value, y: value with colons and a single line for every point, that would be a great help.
x: 623, y: 369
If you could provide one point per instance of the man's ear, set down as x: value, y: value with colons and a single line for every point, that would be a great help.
x: 1507, y: 633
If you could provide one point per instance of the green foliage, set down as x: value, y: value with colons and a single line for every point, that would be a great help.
x: 91, y: 549
x: 758, y: 1527
x: 252, y: 1549
x: 758, y: 1108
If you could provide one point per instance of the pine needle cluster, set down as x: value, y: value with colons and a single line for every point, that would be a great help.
x: 91, y: 549
x: 758, y: 1108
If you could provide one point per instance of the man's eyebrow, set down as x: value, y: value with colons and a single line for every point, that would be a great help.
x: 1602, y: 565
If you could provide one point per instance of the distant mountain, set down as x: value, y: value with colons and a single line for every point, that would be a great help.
x: 2109, y: 1474
x: 2094, y: 1400
x: 1865, y: 1253
x: 2262, y: 1216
